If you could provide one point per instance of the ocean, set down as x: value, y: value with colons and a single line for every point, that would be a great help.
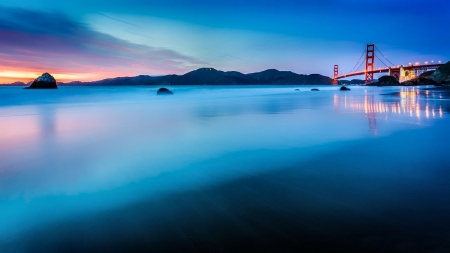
x: 225, y: 169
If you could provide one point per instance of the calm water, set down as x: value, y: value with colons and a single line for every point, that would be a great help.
x: 224, y: 169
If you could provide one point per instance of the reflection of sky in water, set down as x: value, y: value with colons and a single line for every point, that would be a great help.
x: 79, y: 151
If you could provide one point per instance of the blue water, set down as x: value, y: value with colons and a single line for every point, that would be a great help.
x: 224, y: 169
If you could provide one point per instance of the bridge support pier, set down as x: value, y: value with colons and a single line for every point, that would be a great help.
x: 395, y: 73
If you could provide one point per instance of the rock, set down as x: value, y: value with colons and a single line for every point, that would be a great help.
x: 297, y: 90
x: 164, y: 91
x: 387, y: 81
x: 411, y: 82
x: 314, y: 89
x: 45, y: 81
x: 344, y: 88
x: 423, y: 79
x: 442, y: 74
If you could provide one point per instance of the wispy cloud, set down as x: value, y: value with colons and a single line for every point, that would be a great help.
x: 42, y: 41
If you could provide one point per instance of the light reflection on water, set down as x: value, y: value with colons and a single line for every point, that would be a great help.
x: 79, y: 152
x: 375, y: 107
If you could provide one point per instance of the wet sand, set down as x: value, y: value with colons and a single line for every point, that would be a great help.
x: 330, y: 204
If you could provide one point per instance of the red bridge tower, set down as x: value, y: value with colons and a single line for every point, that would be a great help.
x: 336, y: 74
x: 370, y: 62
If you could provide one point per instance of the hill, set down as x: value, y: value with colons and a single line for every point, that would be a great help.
x: 14, y: 84
x: 211, y: 76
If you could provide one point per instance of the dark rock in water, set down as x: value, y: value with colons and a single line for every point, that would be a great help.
x: 442, y: 74
x: 45, y: 81
x: 164, y: 91
x: 387, y: 81
x: 314, y: 89
x: 344, y: 88
x: 297, y: 90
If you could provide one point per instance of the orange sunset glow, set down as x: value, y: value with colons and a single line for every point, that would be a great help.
x: 28, y: 75
x: 71, y: 51
x: 91, y: 73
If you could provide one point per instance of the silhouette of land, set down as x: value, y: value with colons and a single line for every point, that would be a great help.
x: 211, y: 76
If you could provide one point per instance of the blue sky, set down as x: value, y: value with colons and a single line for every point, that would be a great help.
x: 87, y: 40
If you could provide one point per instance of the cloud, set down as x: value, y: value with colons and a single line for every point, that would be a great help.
x: 43, y: 41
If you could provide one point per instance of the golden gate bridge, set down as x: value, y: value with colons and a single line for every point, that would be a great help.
x: 400, y: 72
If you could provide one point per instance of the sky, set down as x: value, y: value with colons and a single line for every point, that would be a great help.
x: 92, y: 40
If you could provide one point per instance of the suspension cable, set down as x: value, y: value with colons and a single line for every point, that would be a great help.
x: 392, y: 64
x: 358, y: 61
x: 381, y: 61
x: 359, y: 66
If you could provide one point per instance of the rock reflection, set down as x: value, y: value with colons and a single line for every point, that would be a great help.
x: 47, y: 122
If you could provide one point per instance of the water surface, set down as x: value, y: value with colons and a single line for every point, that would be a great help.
x: 224, y: 169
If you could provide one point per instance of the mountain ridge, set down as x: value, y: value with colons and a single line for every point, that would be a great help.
x: 211, y: 76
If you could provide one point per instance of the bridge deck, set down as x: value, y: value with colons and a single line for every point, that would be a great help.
x: 384, y: 70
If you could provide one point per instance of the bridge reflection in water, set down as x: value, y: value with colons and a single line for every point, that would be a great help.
x: 411, y: 103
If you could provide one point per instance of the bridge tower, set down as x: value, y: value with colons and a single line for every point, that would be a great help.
x: 336, y: 74
x: 370, y: 62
